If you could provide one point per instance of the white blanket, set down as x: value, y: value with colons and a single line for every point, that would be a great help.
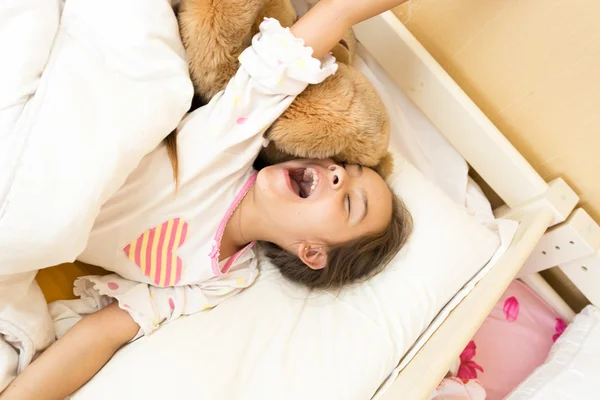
x: 87, y: 88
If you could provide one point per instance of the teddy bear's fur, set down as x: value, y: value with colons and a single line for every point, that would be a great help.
x: 341, y: 118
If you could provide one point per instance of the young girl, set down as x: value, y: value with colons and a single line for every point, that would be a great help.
x: 180, y: 252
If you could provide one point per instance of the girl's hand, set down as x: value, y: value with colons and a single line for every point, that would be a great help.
x: 329, y: 20
x: 360, y: 10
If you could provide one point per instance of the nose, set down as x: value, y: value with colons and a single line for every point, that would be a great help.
x: 337, y: 176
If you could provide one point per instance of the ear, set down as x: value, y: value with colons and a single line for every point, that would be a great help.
x: 314, y: 256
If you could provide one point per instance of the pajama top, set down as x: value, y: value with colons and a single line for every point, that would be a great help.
x: 163, y: 244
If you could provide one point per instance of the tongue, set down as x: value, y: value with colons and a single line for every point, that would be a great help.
x: 306, y: 188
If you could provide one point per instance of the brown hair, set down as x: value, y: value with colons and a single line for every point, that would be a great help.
x: 350, y: 262
x: 171, y: 145
x: 171, y: 141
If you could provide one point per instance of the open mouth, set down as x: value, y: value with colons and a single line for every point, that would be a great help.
x: 304, y: 181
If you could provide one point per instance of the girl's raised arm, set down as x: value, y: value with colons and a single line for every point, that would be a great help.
x: 329, y: 20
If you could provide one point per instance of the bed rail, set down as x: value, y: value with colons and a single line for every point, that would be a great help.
x: 425, y: 371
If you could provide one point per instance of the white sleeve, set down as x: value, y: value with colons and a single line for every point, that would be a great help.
x: 151, y: 306
x: 275, y: 69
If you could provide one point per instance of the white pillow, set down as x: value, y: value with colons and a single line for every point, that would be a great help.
x: 273, y: 341
x: 572, y: 370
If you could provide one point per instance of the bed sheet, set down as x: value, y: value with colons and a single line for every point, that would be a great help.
x: 506, y: 230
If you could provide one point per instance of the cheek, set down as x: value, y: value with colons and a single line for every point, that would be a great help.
x: 325, y: 216
x: 306, y: 217
x: 332, y: 213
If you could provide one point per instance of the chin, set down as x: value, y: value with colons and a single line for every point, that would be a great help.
x: 271, y: 181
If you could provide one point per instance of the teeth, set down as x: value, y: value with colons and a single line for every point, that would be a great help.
x: 315, y: 178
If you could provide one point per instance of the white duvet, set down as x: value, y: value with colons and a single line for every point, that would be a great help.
x: 81, y: 104
x: 87, y: 88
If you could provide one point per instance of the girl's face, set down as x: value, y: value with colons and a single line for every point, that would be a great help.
x: 319, y: 203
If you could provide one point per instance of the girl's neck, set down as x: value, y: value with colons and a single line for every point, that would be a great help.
x: 244, y: 226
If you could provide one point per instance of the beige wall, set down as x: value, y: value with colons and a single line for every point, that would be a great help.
x: 533, y: 66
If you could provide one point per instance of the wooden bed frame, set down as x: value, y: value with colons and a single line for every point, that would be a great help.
x: 537, y: 205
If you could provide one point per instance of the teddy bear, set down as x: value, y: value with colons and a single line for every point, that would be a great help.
x: 341, y: 118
